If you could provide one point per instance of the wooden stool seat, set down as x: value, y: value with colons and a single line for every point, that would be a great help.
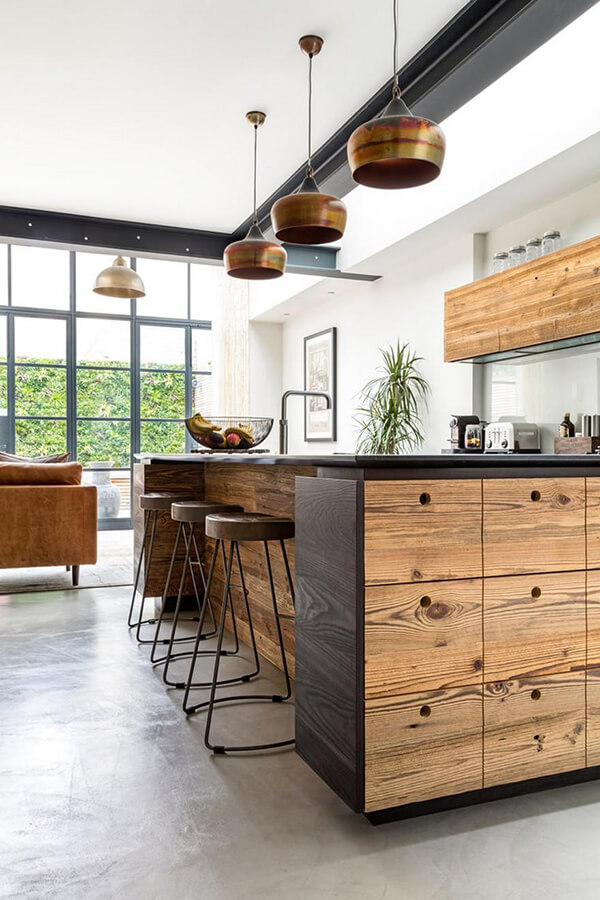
x: 196, y: 511
x: 248, y: 527
x: 159, y: 502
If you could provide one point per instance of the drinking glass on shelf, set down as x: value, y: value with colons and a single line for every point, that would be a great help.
x: 551, y: 241
x: 499, y: 262
x: 516, y: 255
x: 533, y: 249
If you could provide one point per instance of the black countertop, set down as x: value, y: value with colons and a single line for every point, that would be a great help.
x: 457, y: 462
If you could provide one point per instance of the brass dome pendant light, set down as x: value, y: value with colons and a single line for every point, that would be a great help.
x: 399, y: 149
x: 308, y: 216
x: 119, y: 280
x: 255, y: 257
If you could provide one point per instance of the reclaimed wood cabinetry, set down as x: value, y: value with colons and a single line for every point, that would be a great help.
x: 477, y: 632
x: 553, y: 298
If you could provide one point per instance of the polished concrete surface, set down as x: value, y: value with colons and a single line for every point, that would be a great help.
x: 106, y: 791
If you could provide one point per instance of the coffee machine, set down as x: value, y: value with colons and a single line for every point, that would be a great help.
x: 458, y: 427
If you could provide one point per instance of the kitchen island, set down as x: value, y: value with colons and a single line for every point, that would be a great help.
x: 447, y: 630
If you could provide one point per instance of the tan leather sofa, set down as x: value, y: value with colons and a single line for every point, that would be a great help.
x: 47, y: 517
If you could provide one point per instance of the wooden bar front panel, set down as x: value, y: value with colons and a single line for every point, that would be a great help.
x: 270, y: 490
x: 592, y: 522
x: 423, y: 745
x: 593, y: 717
x: 534, y: 625
x: 533, y: 727
x: 533, y: 525
x: 422, y: 530
x: 422, y: 637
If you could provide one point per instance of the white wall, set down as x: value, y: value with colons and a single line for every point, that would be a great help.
x: 406, y: 304
x: 265, y: 370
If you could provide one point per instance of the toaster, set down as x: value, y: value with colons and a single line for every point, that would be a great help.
x: 512, y: 434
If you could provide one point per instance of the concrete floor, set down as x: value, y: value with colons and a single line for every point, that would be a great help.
x: 106, y: 791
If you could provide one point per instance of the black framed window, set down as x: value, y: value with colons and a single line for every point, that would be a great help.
x: 102, y: 378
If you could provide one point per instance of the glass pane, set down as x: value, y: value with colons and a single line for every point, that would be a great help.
x: 3, y: 392
x: 87, y: 268
x: 205, y: 283
x: 162, y: 348
x: 162, y: 395
x: 103, y: 393
x: 103, y: 442
x: 102, y: 342
x: 202, y: 394
x: 40, y: 277
x: 166, y: 288
x: 162, y: 437
x: 114, y: 492
x: 40, y: 437
x: 40, y: 340
x: 40, y: 391
x: 201, y: 350
x: 3, y: 337
x: 3, y: 274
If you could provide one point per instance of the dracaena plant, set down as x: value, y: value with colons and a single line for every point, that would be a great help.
x: 389, y: 417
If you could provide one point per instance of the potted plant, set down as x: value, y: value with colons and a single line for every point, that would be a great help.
x: 389, y: 419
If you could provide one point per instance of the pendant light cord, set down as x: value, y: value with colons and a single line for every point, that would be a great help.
x: 396, y: 87
x: 255, y: 216
x: 309, y: 168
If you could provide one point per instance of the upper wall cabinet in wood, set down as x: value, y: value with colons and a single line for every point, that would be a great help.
x: 422, y: 530
x: 533, y: 525
x: 549, y: 299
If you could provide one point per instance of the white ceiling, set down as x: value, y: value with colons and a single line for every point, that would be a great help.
x: 134, y: 109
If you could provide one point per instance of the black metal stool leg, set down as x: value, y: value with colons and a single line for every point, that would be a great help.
x: 288, y: 573
x: 138, y: 570
x: 206, y: 597
x: 286, y: 673
x: 222, y: 748
x: 184, y: 571
x: 148, y: 564
x: 190, y: 684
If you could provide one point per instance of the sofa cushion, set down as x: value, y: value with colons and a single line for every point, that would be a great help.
x: 57, y: 458
x: 40, y: 473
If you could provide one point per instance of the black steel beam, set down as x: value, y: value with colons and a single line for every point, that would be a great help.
x: 116, y: 234
x: 481, y: 43
x: 138, y: 238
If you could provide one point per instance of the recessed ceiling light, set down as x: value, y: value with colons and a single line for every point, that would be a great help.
x: 287, y: 314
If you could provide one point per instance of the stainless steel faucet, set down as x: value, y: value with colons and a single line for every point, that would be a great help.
x: 283, y: 422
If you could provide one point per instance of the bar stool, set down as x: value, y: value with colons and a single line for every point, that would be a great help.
x: 193, y: 513
x: 152, y: 504
x: 236, y: 527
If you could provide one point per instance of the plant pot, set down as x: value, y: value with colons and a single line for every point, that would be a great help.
x: 109, y: 496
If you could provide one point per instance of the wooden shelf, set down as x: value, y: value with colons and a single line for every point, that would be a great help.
x: 546, y: 304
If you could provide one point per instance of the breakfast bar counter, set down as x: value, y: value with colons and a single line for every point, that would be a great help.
x: 447, y: 621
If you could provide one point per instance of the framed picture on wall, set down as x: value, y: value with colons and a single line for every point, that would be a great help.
x: 320, y: 375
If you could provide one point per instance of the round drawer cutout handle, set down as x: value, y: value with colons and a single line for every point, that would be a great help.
x: 425, y: 602
x: 535, y: 496
x: 535, y: 694
x: 536, y: 592
x: 425, y: 711
x: 425, y: 498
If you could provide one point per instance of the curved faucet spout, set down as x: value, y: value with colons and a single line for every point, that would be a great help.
x: 283, y: 422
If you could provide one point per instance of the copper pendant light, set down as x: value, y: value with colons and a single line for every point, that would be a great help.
x: 119, y: 280
x: 399, y: 149
x: 308, y: 216
x: 255, y: 258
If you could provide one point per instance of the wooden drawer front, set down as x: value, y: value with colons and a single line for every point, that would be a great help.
x: 592, y: 486
x: 593, y: 717
x: 422, y: 746
x: 533, y: 625
x: 422, y: 530
x: 533, y: 727
x: 422, y: 637
x: 593, y: 619
x: 533, y: 525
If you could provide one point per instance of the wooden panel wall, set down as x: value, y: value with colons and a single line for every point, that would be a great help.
x: 187, y: 479
x: 547, y: 299
x: 265, y: 489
